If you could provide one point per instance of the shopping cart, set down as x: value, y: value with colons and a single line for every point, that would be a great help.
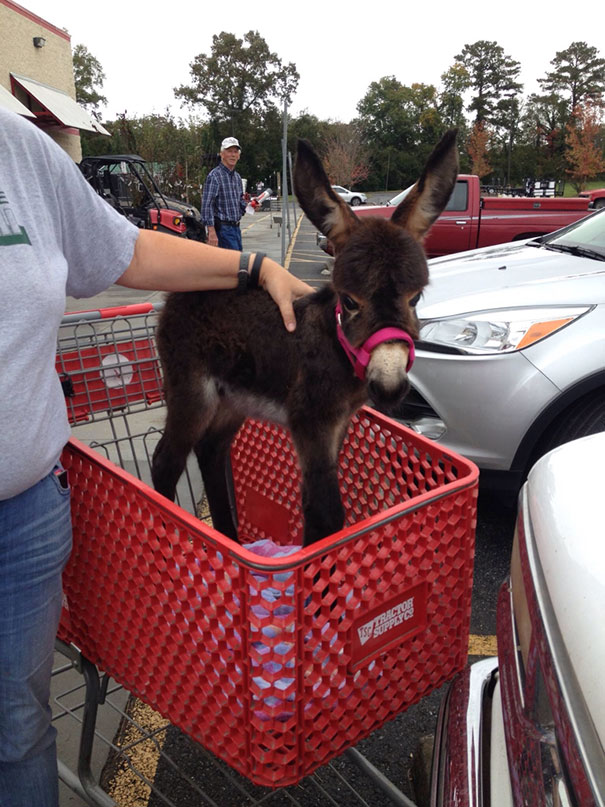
x: 270, y: 668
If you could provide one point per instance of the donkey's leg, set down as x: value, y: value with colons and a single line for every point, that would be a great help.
x: 212, y: 452
x: 321, y: 501
x: 189, y: 412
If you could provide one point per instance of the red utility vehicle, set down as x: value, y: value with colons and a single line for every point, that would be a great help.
x: 471, y: 220
x: 124, y: 181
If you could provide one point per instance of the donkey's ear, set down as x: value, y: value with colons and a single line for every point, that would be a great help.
x: 324, y: 208
x: 429, y: 196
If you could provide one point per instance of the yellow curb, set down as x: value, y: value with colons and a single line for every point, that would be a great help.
x: 292, y: 242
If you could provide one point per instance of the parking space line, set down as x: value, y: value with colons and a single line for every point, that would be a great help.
x: 306, y: 260
x: 252, y: 223
x: 482, y: 645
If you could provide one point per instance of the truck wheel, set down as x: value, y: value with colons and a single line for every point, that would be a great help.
x: 584, y: 417
x: 599, y: 203
x: 355, y: 201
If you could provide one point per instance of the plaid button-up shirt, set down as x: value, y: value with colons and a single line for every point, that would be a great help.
x: 223, y: 196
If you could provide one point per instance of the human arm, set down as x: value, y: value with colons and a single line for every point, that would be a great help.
x: 243, y: 200
x: 212, y: 236
x: 209, y: 196
x: 165, y: 263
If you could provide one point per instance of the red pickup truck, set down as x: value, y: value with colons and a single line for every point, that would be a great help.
x: 471, y: 220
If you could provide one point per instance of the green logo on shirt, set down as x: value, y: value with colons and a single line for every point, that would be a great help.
x: 10, y: 231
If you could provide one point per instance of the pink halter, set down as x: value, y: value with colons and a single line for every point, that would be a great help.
x: 360, y: 358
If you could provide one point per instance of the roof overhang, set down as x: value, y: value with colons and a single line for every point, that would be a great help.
x: 8, y: 101
x: 58, y: 105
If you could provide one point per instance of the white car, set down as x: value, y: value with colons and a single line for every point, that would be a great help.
x: 354, y: 198
x: 528, y: 728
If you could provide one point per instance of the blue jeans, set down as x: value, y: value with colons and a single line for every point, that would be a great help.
x: 35, y: 542
x: 229, y: 237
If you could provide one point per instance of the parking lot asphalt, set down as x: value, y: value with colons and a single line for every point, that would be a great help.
x: 394, y: 747
x: 261, y: 232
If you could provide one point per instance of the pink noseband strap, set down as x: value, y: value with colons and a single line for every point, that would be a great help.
x: 360, y: 358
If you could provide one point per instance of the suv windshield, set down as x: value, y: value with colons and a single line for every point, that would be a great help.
x: 586, y: 237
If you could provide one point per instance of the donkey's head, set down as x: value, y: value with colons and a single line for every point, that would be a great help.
x: 380, y: 267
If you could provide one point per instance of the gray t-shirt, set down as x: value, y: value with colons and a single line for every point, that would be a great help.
x: 57, y: 237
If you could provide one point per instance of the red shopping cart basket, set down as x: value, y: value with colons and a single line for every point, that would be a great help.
x: 278, y: 664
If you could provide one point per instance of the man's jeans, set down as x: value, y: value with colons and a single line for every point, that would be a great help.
x: 229, y: 237
x: 35, y: 542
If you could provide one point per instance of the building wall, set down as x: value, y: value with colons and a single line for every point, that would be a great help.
x: 51, y: 64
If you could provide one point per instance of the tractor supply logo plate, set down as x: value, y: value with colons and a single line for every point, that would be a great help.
x: 390, y: 623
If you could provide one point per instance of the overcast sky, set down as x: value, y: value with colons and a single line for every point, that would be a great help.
x: 145, y: 49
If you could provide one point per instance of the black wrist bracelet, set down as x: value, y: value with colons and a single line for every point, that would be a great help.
x: 255, y: 271
x: 242, y: 275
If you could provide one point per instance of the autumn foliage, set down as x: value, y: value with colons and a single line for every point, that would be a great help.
x: 585, y: 143
x: 346, y: 159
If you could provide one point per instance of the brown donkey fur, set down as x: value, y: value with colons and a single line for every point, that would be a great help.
x: 226, y: 355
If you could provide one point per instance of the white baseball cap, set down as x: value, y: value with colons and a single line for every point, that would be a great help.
x: 230, y: 141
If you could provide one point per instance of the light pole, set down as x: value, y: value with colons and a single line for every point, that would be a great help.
x: 510, y: 136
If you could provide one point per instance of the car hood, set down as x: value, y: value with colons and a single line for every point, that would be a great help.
x: 508, y: 276
x: 565, y: 501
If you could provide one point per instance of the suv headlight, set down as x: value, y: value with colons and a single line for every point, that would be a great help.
x: 499, y: 331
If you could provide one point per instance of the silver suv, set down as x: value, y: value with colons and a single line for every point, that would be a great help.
x: 511, y: 356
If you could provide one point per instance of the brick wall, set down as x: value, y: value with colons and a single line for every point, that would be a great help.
x: 51, y: 64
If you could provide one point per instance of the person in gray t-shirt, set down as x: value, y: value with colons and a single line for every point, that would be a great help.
x: 57, y: 237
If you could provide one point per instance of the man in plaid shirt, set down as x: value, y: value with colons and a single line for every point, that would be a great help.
x: 223, y: 202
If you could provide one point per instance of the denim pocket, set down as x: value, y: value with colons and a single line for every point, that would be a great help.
x: 60, y: 479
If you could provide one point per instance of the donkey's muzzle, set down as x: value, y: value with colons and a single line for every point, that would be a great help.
x: 387, y: 376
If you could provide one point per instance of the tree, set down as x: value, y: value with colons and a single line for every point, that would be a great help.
x: 543, y: 128
x: 400, y: 125
x: 346, y: 159
x: 579, y: 71
x: 239, y: 78
x: 477, y: 149
x: 309, y: 127
x: 240, y: 84
x: 492, y: 75
x: 88, y: 78
x: 455, y: 82
x: 585, y: 143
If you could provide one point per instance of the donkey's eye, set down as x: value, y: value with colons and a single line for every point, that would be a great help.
x: 415, y: 300
x: 349, y: 303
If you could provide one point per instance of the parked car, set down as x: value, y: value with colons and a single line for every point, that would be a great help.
x: 528, y: 728
x: 354, y: 198
x: 511, y: 356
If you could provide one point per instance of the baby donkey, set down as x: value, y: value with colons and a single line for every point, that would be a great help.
x: 226, y: 356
